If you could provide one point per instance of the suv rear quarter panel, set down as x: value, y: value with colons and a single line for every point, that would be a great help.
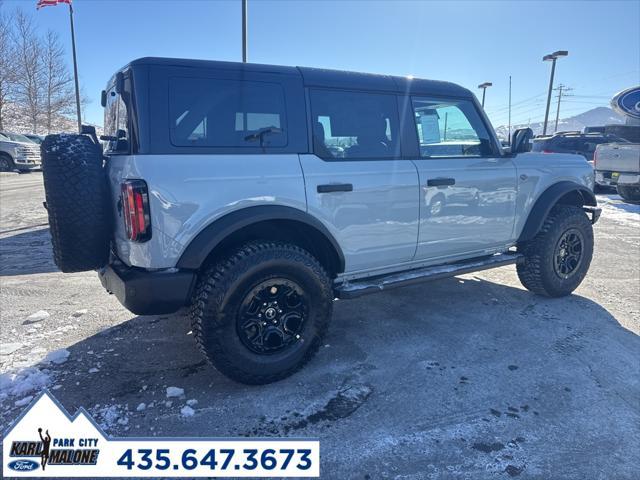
x: 538, y: 171
x: 189, y: 192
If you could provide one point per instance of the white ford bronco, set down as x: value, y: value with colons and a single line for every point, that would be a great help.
x: 255, y: 195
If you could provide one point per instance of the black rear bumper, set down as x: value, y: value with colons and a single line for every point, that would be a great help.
x: 146, y: 292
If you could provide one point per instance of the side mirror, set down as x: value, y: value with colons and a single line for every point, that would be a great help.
x: 521, y: 140
x: 103, y: 98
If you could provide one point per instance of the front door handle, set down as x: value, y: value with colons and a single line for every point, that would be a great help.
x: 441, y: 182
x: 335, y: 187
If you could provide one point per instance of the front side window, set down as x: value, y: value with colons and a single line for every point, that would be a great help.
x: 208, y: 112
x: 450, y: 128
x: 354, y: 125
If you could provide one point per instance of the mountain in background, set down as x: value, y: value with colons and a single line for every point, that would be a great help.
x: 591, y: 118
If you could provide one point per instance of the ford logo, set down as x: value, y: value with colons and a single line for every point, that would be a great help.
x: 627, y: 102
x: 23, y: 465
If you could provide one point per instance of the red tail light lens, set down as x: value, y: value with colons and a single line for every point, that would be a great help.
x: 135, y: 209
x: 547, y: 151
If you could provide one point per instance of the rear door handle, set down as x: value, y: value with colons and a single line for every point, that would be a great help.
x: 441, y: 182
x: 335, y: 187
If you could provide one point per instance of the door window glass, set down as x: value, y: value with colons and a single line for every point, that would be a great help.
x: 450, y: 128
x: 354, y: 125
x: 208, y: 112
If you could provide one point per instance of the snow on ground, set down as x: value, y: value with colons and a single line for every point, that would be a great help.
x: 614, y: 208
x: 174, y: 392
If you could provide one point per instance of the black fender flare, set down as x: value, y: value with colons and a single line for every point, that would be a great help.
x: 546, y: 202
x: 213, y: 234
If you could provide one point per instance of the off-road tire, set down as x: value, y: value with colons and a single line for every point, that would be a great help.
x: 537, y: 272
x: 6, y: 163
x: 77, y: 195
x: 630, y: 194
x: 216, y: 305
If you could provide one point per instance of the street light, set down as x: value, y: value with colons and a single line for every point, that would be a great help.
x: 553, y: 57
x: 484, y: 87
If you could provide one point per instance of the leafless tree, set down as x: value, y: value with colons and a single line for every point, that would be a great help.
x: 30, y: 74
x: 7, y: 65
x: 59, y: 98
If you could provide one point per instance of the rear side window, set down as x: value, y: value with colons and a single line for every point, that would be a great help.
x: 450, y: 128
x: 115, y: 120
x: 354, y: 125
x: 208, y: 112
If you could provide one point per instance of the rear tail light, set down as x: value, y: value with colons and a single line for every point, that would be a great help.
x: 547, y: 151
x: 135, y: 208
x: 595, y: 158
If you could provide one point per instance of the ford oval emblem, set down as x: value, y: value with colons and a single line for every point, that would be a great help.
x: 627, y: 102
x: 23, y: 465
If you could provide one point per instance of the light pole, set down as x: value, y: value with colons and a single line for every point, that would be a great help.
x: 553, y: 57
x: 484, y: 87
x: 244, y: 31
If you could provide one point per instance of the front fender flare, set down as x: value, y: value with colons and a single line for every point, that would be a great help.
x: 213, y: 234
x: 548, y: 200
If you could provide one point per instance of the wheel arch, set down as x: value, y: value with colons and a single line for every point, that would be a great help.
x: 267, y: 222
x: 561, y: 193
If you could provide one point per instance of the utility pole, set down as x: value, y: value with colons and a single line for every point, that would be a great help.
x: 553, y: 57
x: 562, y: 89
x: 509, y: 135
x: 244, y: 31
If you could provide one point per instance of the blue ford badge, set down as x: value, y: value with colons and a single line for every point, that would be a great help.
x: 23, y: 465
x: 627, y: 102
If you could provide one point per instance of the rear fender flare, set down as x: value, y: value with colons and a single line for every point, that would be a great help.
x: 212, y: 235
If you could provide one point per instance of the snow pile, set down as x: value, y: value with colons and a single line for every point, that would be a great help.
x: 39, y: 316
x: 187, y: 411
x: 109, y: 416
x: 174, y: 392
x: 57, y: 356
x: 19, y: 384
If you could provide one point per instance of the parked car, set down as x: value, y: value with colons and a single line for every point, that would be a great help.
x: 226, y: 194
x: 34, y: 138
x: 618, y: 165
x: 574, y: 142
x: 17, y: 152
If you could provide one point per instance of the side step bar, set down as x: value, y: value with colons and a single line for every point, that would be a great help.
x: 358, y: 288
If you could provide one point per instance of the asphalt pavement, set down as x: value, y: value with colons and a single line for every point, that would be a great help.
x: 470, y: 377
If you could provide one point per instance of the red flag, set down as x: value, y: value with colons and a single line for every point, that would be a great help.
x: 50, y: 3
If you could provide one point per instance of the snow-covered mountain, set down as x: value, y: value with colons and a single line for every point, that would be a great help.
x: 591, y: 118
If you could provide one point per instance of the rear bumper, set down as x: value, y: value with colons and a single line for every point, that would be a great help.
x: 608, y: 178
x: 146, y: 292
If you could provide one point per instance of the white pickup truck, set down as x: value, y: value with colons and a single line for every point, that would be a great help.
x: 618, y: 165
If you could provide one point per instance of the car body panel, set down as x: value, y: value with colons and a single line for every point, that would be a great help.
x: 474, y: 215
x: 538, y: 171
x: 189, y: 192
x: 376, y: 224
x: 618, y: 164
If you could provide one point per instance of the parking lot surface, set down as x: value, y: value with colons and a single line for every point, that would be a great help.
x: 469, y: 377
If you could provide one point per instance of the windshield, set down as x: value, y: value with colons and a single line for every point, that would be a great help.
x: 16, y: 137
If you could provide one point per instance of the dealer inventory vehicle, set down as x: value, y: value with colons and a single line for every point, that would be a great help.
x: 17, y: 152
x: 257, y: 194
x: 574, y: 142
x: 618, y: 165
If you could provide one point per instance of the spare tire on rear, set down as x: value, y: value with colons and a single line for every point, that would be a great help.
x: 77, y: 202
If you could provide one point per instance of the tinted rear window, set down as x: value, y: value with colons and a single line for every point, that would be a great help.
x: 210, y: 112
x: 354, y: 125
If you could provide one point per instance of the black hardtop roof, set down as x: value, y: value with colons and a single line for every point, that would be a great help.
x: 320, y: 77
